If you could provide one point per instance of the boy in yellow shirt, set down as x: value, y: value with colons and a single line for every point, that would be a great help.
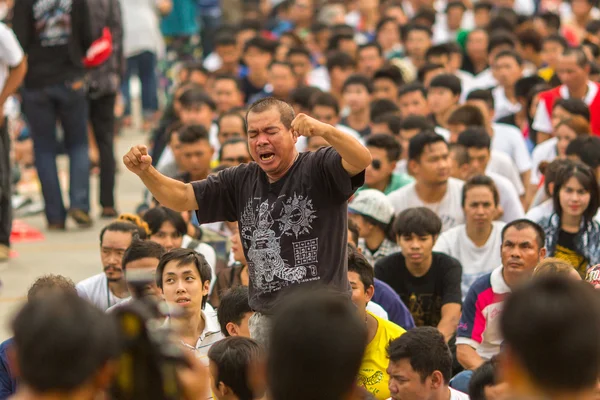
x: 372, y: 373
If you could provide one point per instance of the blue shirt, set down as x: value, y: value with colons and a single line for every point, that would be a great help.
x: 8, y: 384
x: 182, y: 20
x: 387, y: 298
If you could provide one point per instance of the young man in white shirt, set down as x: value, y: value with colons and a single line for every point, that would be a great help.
x: 429, y: 163
x: 421, y: 366
x: 475, y: 244
x: 478, y: 143
x: 184, y: 278
x: 110, y: 287
x: 13, y: 67
x: 507, y: 68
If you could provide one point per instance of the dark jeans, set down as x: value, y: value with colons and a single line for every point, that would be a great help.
x: 144, y: 66
x: 43, y: 108
x: 102, y: 119
x: 5, y: 186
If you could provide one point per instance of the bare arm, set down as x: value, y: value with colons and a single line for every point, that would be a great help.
x: 169, y: 192
x: 468, y: 357
x: 450, y: 318
x: 14, y: 80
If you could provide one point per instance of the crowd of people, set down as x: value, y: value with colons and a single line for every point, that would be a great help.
x: 344, y: 199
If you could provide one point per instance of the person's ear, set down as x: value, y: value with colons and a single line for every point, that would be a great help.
x: 206, y: 288
x: 543, y: 252
x: 369, y: 292
x: 413, y: 167
x: 437, y: 380
x: 232, y: 329
x: 223, y: 389
x: 551, y: 188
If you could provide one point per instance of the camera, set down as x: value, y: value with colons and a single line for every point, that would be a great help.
x: 147, y: 366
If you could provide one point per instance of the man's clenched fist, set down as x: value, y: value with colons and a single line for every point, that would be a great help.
x: 137, y: 159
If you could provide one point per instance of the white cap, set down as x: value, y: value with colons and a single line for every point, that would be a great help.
x: 372, y: 203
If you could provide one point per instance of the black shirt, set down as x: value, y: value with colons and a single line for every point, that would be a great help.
x: 424, y: 296
x: 249, y: 89
x: 294, y: 231
x: 55, y: 35
x: 366, y: 131
x: 566, y: 250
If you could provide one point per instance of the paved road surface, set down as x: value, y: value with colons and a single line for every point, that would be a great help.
x: 74, y: 253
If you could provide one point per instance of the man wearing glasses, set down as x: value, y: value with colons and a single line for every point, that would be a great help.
x: 234, y: 152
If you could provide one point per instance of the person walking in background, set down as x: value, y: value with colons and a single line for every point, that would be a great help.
x: 55, y: 36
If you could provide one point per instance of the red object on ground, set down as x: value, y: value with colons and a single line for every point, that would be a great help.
x: 22, y: 232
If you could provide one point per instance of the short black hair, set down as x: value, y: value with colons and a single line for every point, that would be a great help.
x: 251, y: 24
x: 194, y: 66
x: 337, y: 37
x: 524, y: 85
x: 510, y: 53
x: 121, y: 226
x: 232, y: 113
x: 195, y: 96
x: 425, y: 69
x: 416, y: 122
x: 262, y: 44
x: 483, y: 376
x: 468, y: 115
x: 459, y: 154
x: 325, y: 99
x: 483, y: 95
x: 142, y: 249
x: 284, y: 64
x: 379, y: 107
x: 298, y: 50
x: 157, y: 216
x: 339, y: 59
x: 184, y: 257
x: 286, y: 112
x: 232, y: 141
x: 391, y: 73
x: 357, y: 79
x: 383, y: 21
x: 573, y: 106
x: 414, y: 27
x: 586, y: 178
x: 412, y: 87
x: 501, y: 38
x: 420, y: 221
x: 556, y: 38
x: 62, y: 341
x: 530, y: 37
x: 189, y: 134
x: 386, y: 142
x: 558, y: 346
x: 233, y: 307
x: 234, y: 357
x: 304, y: 96
x: 523, y: 223
x: 420, y: 141
x: 426, y: 350
x: 587, y: 148
x: 582, y: 60
x: 359, y: 264
x: 325, y: 316
x: 483, y: 5
x: 447, y: 81
x: 374, y: 45
x: 552, y: 20
x: 437, y: 50
x: 392, y: 120
x: 425, y: 13
x: 480, y: 180
x: 475, y: 137
x: 455, y: 4
x: 229, y: 77
x: 225, y: 39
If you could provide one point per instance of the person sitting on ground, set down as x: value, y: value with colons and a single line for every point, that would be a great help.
x: 372, y: 374
x: 555, y: 266
x: 234, y: 312
x: 475, y: 244
x: 41, y: 288
x: 108, y: 288
x: 184, y: 278
x: 231, y: 364
x: 372, y: 212
x: 139, y: 262
x: 427, y: 282
x: 420, y: 366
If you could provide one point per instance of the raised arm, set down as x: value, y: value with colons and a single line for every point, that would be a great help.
x: 355, y: 157
x: 169, y: 192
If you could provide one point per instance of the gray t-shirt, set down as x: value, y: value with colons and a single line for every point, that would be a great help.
x: 294, y: 231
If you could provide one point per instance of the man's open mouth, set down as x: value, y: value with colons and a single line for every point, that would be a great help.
x: 267, y: 156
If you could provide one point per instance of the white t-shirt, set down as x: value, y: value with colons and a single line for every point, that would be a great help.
x: 95, y: 290
x: 456, y: 395
x: 449, y: 209
x: 377, y: 310
x: 545, y: 151
x: 542, y: 121
x: 537, y: 213
x: 509, y: 198
x: 475, y: 261
x: 509, y: 140
x: 11, y: 53
x: 502, y: 106
x: 502, y: 164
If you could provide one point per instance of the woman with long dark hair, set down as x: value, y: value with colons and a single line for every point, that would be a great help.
x: 572, y: 234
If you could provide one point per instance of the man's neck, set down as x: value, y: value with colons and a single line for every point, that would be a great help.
x: 579, y: 92
x: 258, y: 78
x: 479, y: 66
x: 191, y: 327
x: 274, y: 178
x: 442, y: 118
x: 420, y: 269
x: 381, y: 185
x: 374, y: 240
x: 359, y: 120
x: 479, y: 236
x: 118, y: 288
x: 431, y: 194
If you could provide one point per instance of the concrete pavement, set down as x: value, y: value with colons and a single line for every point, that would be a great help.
x: 74, y: 253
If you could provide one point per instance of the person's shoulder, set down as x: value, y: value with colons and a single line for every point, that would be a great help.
x: 390, y: 329
x: 502, y: 182
x: 542, y: 149
x: 92, y: 281
x: 453, y: 234
x: 498, y: 226
x: 404, y: 191
x: 455, y: 184
x: 507, y: 131
x: 456, y: 395
x: 5, y: 345
x: 444, y: 261
x: 390, y: 261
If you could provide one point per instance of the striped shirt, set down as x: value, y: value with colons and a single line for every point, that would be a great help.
x: 479, y: 325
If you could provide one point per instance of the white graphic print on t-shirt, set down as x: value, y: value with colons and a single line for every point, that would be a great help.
x: 262, y: 233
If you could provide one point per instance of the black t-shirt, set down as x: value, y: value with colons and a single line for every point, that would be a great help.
x: 424, y: 296
x: 249, y: 89
x: 294, y: 231
x: 55, y: 34
x: 567, y: 251
x: 366, y: 131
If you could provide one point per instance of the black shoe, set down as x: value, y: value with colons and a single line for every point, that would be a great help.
x: 54, y: 227
x: 81, y: 217
x: 109, y: 213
